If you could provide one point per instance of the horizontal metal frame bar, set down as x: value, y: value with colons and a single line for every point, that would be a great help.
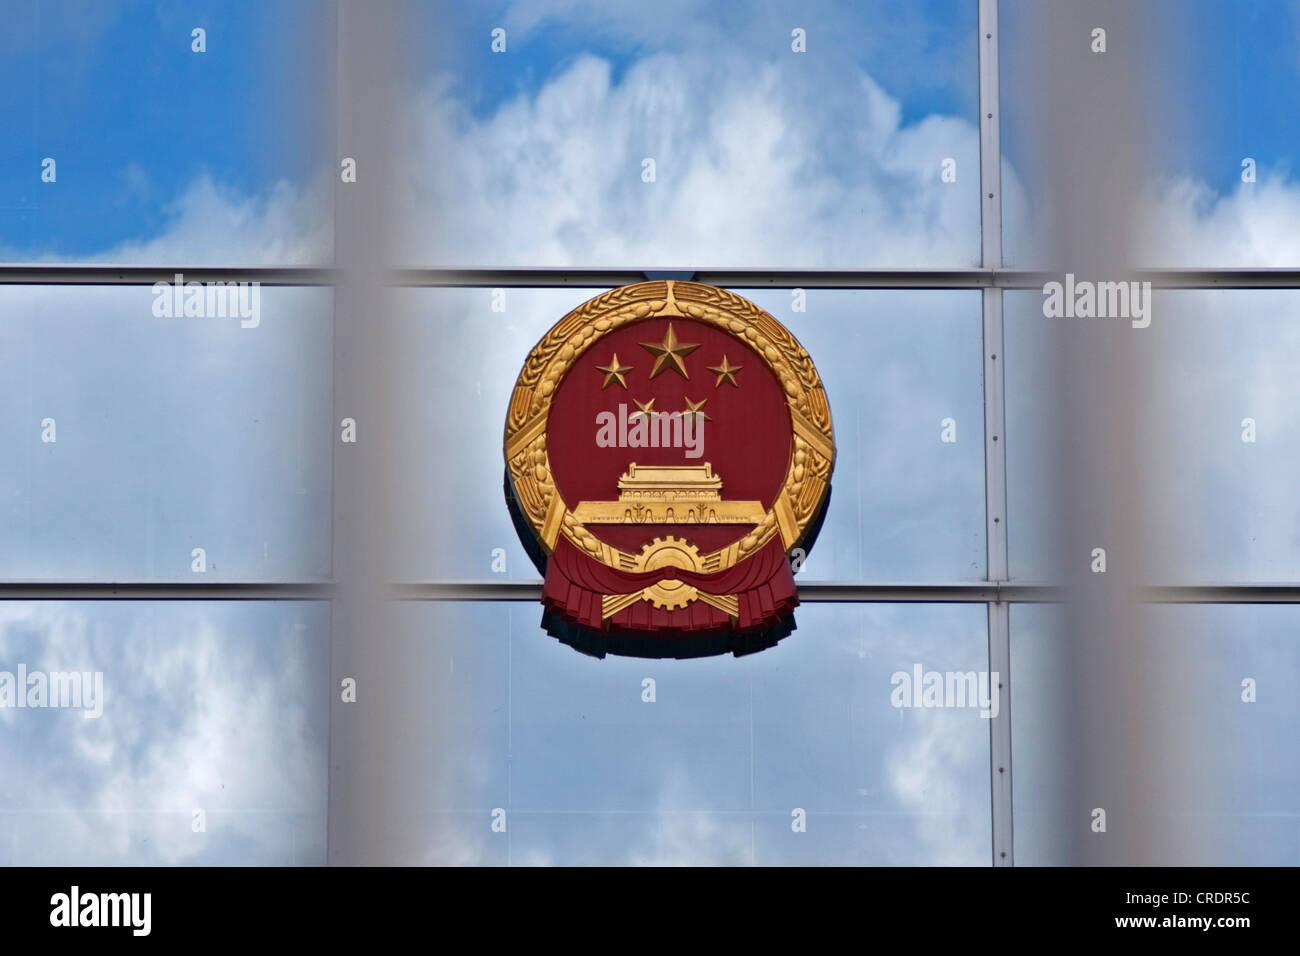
x: 58, y: 274
x: 530, y: 591
x: 165, y: 591
x: 979, y: 592
x: 1223, y: 594
x: 963, y: 592
x: 967, y: 592
x: 723, y: 278
x: 973, y: 278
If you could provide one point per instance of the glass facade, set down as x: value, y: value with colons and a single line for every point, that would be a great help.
x: 202, y: 452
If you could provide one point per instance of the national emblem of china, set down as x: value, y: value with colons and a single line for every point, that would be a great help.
x: 668, y: 448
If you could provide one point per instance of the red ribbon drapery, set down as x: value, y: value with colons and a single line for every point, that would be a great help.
x: 763, y: 584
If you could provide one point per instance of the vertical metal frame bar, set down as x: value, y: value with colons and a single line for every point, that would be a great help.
x: 995, y: 445
x: 335, y: 638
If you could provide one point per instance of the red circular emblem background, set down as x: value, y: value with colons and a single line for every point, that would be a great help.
x: 746, y: 437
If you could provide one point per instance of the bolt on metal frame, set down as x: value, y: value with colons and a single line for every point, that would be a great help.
x: 997, y: 593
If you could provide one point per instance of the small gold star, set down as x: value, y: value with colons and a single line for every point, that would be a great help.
x: 694, y: 408
x: 726, y: 372
x: 614, y: 372
x: 644, y: 408
x: 669, y: 353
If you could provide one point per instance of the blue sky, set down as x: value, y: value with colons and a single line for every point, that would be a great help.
x: 111, y: 91
x: 1239, y: 67
x: 927, y: 46
x: 1224, y: 81
x: 177, y: 433
x: 132, y: 116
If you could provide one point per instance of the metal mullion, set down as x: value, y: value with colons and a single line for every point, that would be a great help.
x: 987, y: 277
x: 825, y: 592
x: 165, y: 591
x: 971, y: 278
x: 1221, y: 594
x: 331, y: 741
x: 815, y: 592
x: 85, y: 274
x: 995, y: 459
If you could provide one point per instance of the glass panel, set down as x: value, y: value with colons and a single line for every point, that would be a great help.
x: 134, y: 439
x: 123, y: 143
x: 1215, y: 426
x: 1217, y: 183
x: 219, y: 707
x: 1241, y: 801
x: 1040, y: 680
x: 1222, y: 432
x: 1035, y: 520
x: 906, y: 504
x: 861, y: 151
x: 712, y: 771
x: 1223, y: 186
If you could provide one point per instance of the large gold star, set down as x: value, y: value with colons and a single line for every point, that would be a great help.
x: 643, y: 408
x: 694, y: 408
x: 669, y: 353
x: 726, y: 373
x: 614, y: 372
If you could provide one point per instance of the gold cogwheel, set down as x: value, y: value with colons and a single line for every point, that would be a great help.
x: 669, y: 552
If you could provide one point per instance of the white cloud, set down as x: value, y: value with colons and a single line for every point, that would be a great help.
x: 1178, y: 222
x: 931, y: 768
x: 191, y: 719
x: 210, y: 224
x: 767, y: 166
x: 1184, y: 222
